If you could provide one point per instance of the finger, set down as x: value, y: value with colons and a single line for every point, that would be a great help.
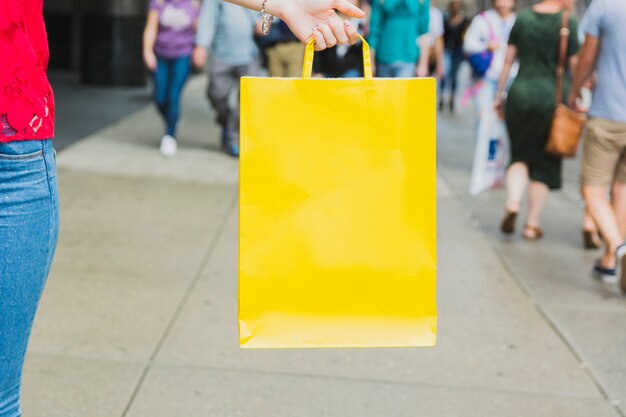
x: 320, y: 43
x: 348, y: 8
x: 338, y: 29
x: 353, y: 35
x: 329, y: 37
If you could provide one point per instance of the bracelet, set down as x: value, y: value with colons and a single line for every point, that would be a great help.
x: 503, y: 95
x: 266, y: 19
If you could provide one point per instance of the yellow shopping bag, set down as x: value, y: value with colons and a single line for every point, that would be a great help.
x: 337, y: 243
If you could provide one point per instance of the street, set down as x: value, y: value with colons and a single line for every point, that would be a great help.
x: 139, y: 317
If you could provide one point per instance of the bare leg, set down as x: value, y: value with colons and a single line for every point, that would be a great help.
x: 516, y: 183
x: 606, y: 219
x: 588, y: 223
x: 591, y: 237
x: 537, y: 197
x: 619, y: 206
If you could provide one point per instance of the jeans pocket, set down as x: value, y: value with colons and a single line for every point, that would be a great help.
x: 21, y: 158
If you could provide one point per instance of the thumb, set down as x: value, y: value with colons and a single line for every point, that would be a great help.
x: 348, y: 8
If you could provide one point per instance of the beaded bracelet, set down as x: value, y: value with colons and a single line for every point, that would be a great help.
x: 266, y: 19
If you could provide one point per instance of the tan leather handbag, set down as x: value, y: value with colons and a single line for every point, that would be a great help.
x: 567, y: 124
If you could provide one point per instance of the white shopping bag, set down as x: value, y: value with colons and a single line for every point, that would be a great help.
x: 491, y: 157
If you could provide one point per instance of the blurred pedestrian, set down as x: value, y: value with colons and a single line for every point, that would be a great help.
x: 604, y: 151
x: 395, y: 27
x: 28, y: 186
x: 226, y: 32
x: 284, y: 53
x: 341, y: 61
x: 486, y: 39
x: 167, y: 47
x: 455, y: 25
x: 434, y: 43
x: 530, y: 107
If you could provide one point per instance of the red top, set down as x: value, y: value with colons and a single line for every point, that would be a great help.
x: 26, y: 99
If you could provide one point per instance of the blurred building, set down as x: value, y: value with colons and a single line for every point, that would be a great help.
x: 101, y: 39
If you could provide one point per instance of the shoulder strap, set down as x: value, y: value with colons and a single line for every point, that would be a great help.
x: 492, y: 35
x: 560, y: 68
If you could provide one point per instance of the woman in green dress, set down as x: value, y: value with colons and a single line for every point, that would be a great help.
x: 530, y: 106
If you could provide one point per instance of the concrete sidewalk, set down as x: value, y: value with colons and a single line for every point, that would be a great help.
x: 139, y: 318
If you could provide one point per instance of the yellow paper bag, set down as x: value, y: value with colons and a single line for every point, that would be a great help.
x: 337, y: 239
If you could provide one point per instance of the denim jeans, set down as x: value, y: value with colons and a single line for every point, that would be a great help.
x: 396, y: 70
x: 169, y: 80
x: 224, y: 80
x: 28, y: 235
x: 453, y: 58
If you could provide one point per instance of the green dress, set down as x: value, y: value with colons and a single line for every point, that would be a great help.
x: 531, y: 99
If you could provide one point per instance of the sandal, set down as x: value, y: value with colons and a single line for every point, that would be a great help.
x: 591, y: 239
x: 537, y: 232
x: 508, y: 223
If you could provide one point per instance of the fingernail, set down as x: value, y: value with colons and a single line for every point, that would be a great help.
x: 329, y: 21
x: 347, y: 23
x: 317, y: 26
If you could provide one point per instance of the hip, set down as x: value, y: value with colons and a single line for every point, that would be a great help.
x: 28, y: 181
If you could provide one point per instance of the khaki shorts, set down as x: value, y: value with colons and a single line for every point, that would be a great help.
x: 604, y: 153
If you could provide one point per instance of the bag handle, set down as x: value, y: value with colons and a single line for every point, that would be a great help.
x: 560, y: 69
x: 492, y: 33
x: 307, y: 68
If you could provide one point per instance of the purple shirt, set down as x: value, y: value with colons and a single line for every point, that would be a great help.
x: 176, y: 34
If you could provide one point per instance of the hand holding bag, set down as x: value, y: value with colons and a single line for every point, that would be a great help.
x: 567, y: 124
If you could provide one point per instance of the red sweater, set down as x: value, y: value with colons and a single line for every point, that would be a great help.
x: 26, y: 99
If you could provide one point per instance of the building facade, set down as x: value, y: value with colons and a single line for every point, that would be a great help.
x: 102, y: 39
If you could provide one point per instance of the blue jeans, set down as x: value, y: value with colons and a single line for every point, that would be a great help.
x: 351, y: 73
x: 453, y: 58
x: 169, y: 80
x: 396, y: 70
x: 28, y: 235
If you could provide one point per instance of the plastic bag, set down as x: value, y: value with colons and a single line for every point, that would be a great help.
x: 491, y: 156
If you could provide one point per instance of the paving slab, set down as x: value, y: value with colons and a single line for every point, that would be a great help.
x: 129, y: 147
x: 128, y: 251
x: 173, y: 391
x: 81, y: 110
x: 600, y: 339
x: 490, y: 339
x: 73, y: 387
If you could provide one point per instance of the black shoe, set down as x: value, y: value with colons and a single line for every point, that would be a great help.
x: 603, y: 274
x: 452, y: 105
x: 441, y: 105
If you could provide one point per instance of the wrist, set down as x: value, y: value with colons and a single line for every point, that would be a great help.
x: 274, y: 8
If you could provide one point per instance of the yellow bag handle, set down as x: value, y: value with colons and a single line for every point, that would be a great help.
x: 307, y: 68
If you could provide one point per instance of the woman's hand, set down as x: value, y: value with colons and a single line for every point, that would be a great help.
x: 422, y: 70
x: 150, y: 59
x: 498, y: 106
x: 200, y: 56
x: 317, y: 18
